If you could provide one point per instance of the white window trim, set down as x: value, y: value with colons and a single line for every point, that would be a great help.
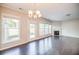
x: 34, y: 31
x: 9, y: 16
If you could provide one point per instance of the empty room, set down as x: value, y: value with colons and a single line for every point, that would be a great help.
x: 39, y: 28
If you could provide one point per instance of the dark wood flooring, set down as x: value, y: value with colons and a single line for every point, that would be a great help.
x: 54, y: 45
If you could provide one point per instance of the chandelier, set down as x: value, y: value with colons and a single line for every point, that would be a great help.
x: 34, y: 14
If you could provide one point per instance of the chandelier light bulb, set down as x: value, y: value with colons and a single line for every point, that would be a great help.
x: 37, y: 12
x: 39, y: 15
x: 30, y: 13
x: 34, y: 14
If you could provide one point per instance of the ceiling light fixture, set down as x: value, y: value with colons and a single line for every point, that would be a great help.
x: 30, y: 13
x: 34, y: 14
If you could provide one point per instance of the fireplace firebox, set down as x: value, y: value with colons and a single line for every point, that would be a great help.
x: 56, y: 33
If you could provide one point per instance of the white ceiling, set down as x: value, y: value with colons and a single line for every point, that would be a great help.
x: 51, y: 11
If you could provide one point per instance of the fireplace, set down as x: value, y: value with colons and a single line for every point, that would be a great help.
x: 56, y: 33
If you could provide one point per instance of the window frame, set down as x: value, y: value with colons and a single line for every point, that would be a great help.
x: 50, y: 31
x: 46, y: 28
x: 42, y: 28
x: 4, y: 39
x: 30, y: 30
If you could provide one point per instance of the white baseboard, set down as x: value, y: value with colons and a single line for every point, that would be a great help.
x: 71, y: 36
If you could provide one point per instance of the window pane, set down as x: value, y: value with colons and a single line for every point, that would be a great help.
x: 50, y: 28
x: 32, y: 30
x: 41, y: 29
x: 46, y: 28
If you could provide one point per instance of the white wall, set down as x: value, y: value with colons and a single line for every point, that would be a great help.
x: 56, y: 26
x: 70, y: 28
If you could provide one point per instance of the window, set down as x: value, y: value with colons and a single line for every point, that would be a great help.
x: 32, y: 30
x: 10, y: 29
x: 41, y: 29
x: 50, y: 29
x: 46, y: 29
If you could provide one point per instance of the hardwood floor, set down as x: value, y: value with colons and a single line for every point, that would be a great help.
x: 48, y: 46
